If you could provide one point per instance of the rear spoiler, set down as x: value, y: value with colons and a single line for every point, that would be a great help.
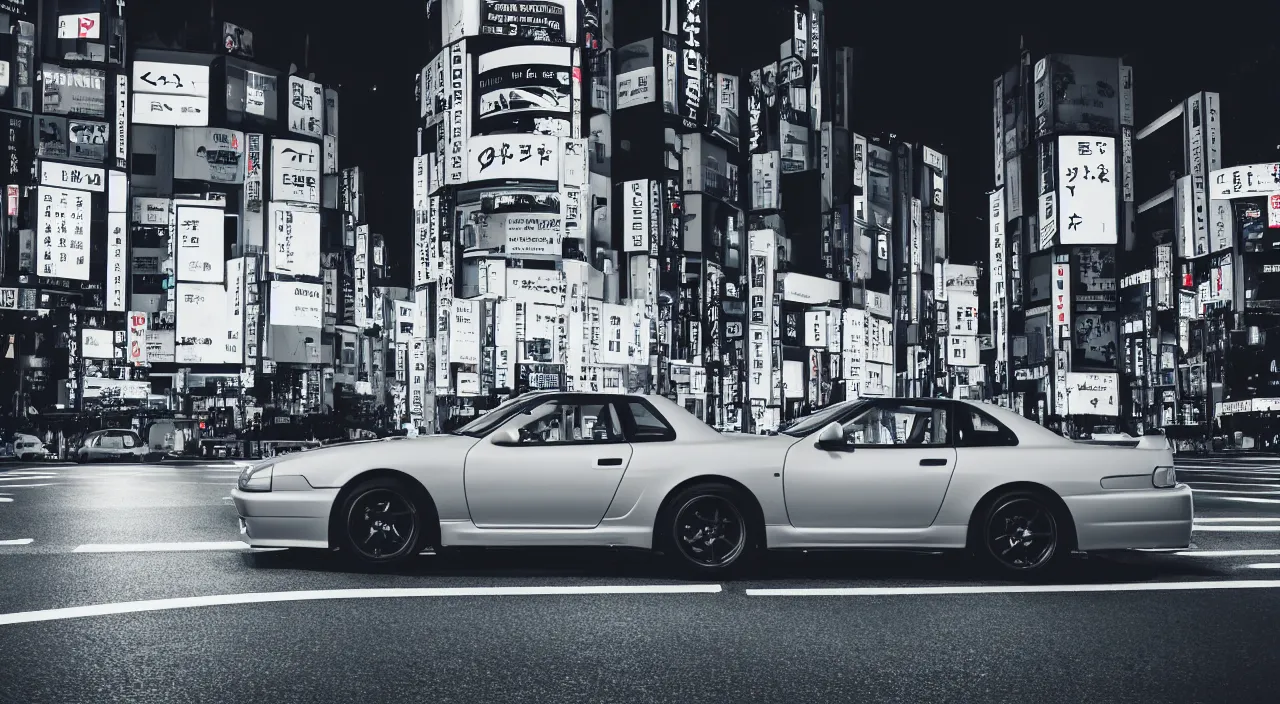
x: 1146, y: 442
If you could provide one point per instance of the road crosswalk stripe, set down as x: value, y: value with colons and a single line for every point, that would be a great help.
x: 162, y: 547
x: 131, y: 607
x: 1020, y: 588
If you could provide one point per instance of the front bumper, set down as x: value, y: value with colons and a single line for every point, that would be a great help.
x: 1122, y: 520
x: 285, y: 519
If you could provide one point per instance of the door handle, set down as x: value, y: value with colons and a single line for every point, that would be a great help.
x: 609, y: 462
x: 933, y: 463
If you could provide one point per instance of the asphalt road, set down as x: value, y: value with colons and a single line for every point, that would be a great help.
x: 565, y: 626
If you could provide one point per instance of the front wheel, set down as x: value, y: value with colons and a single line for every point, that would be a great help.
x: 1022, y: 533
x: 380, y: 522
x: 708, y: 532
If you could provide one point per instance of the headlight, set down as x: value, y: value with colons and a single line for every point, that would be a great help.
x: 1164, y: 478
x: 256, y: 478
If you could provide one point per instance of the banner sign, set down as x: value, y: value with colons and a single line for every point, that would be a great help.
x: 295, y: 171
x: 298, y: 304
x: 513, y: 156
x: 64, y: 233
x: 295, y: 240
x: 306, y: 107
x: 200, y: 256
x: 208, y: 154
x: 1087, y: 190
x: 524, y: 89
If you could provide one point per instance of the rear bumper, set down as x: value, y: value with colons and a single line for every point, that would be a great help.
x: 1146, y: 518
x: 285, y: 519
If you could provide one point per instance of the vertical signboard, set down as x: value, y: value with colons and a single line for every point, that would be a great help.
x: 137, y: 338
x: 1126, y: 96
x: 457, y: 123
x: 361, y: 265
x: 252, y: 204
x: 1212, y: 132
x: 693, y: 39
x: 997, y: 116
x: 122, y: 120
x: 1193, y: 123
x: 998, y: 274
x: 117, y: 223
x: 635, y: 218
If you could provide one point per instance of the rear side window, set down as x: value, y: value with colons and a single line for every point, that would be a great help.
x: 647, y: 425
x: 983, y: 431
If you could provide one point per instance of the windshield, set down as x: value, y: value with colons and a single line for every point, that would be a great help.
x: 495, y: 417
x: 809, y: 424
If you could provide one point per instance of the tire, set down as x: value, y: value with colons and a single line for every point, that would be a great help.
x: 681, y: 537
x: 366, y: 537
x: 1022, y: 533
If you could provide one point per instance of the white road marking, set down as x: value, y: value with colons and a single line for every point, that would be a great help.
x: 1264, y: 566
x: 1238, y: 519
x: 1020, y: 588
x: 1219, y: 528
x: 131, y: 607
x: 162, y: 547
x: 1227, y: 553
x: 28, y: 477
x: 18, y: 541
x: 23, y: 486
x: 5, y: 500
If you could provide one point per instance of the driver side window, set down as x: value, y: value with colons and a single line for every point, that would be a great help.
x: 899, y: 425
x: 567, y: 422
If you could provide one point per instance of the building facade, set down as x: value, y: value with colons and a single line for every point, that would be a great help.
x: 598, y: 207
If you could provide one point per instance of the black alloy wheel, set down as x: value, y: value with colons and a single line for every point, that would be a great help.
x: 1023, y: 534
x: 708, y: 531
x: 382, y: 522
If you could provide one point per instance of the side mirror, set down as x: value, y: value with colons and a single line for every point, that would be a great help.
x: 506, y: 436
x: 832, y: 438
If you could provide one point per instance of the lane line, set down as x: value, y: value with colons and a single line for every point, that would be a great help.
x: 1217, y: 528
x: 1248, y: 552
x: 23, y: 486
x: 131, y: 607
x: 1021, y: 588
x: 1264, y: 566
x: 1237, y: 519
x: 28, y: 477
x: 17, y: 541
x: 162, y: 547
x: 5, y: 500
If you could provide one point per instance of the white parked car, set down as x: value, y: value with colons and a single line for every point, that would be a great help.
x: 29, y: 447
x: 576, y: 469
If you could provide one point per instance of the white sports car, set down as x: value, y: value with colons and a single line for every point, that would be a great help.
x: 578, y: 469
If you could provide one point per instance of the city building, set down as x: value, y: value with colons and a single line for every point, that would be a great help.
x: 1062, y: 206
x: 599, y: 206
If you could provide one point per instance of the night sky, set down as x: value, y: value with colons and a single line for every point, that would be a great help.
x: 925, y: 76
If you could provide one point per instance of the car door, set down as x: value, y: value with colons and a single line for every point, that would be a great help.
x: 562, y: 473
x: 92, y: 451
x: 892, y: 471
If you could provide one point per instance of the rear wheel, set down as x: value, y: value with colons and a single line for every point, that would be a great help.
x: 381, y: 522
x: 707, y: 531
x: 1023, y: 533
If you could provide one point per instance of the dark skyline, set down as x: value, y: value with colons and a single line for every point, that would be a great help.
x: 924, y: 76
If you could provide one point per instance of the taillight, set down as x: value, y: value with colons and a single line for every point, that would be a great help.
x: 1164, y: 478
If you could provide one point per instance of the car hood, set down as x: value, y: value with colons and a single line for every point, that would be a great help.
x: 352, y: 457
